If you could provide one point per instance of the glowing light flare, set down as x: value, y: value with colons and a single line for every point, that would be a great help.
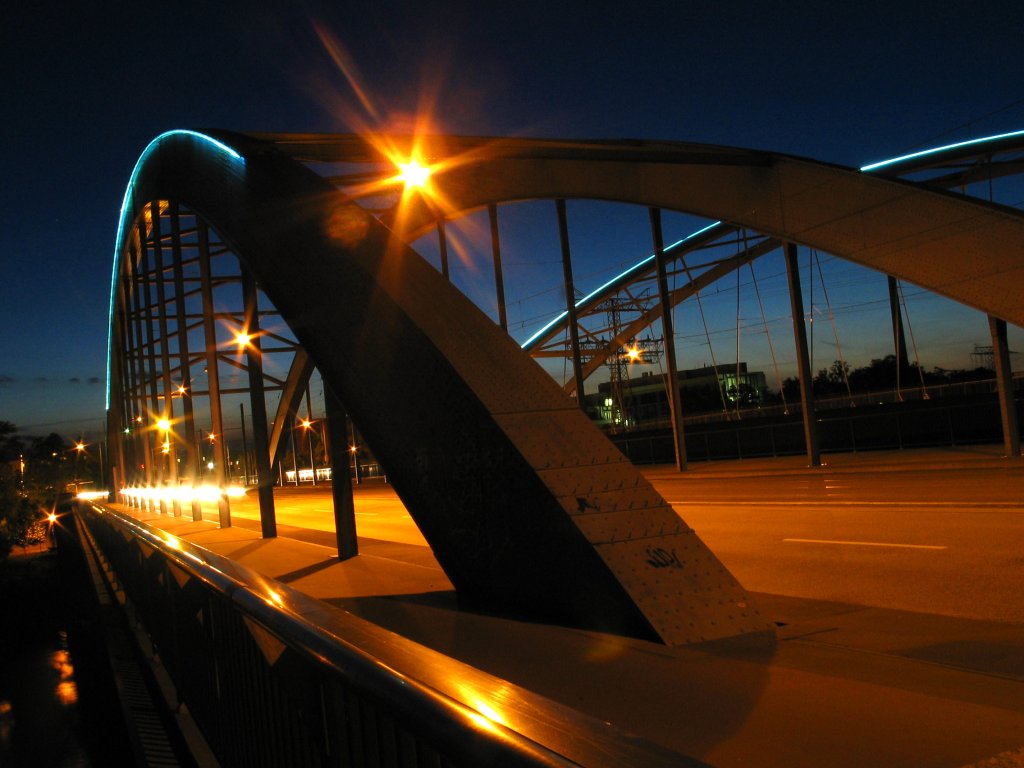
x: 242, y: 339
x: 91, y: 495
x: 306, y: 424
x: 67, y: 692
x: 80, y: 446
x: 413, y: 174
x: 634, y: 354
x: 183, y: 494
x: 163, y: 425
x: 52, y: 517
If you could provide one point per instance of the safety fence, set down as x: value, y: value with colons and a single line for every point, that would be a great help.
x: 273, y: 677
x: 879, y: 426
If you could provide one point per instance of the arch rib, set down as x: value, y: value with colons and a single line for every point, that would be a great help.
x: 527, y: 506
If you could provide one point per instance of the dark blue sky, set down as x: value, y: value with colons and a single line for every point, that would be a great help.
x: 87, y: 85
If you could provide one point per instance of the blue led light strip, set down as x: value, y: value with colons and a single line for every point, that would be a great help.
x: 936, y: 150
x: 635, y: 268
x: 122, y: 223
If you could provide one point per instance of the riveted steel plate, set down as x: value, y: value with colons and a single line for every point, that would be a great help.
x: 629, y: 524
x: 682, y: 589
x: 559, y: 439
x: 612, y: 477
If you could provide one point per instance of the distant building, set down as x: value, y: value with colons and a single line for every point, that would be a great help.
x: 644, y: 399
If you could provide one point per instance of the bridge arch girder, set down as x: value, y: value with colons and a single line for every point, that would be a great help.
x: 965, y: 249
x: 527, y: 506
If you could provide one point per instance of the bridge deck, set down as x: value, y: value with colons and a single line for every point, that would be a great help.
x: 846, y: 684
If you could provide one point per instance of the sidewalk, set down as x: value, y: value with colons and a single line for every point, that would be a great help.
x: 842, y: 685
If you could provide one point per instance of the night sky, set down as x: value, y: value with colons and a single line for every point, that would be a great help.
x: 87, y: 85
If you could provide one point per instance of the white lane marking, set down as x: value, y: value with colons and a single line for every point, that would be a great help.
x: 865, y: 543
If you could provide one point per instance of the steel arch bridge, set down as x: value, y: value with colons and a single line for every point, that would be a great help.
x: 526, y: 505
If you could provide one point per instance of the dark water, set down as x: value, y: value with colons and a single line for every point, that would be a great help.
x: 57, y: 701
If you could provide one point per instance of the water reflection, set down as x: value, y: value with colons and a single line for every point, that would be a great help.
x: 39, y: 716
x: 67, y: 690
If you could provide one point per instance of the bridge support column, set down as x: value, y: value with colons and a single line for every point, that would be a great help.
x: 796, y: 303
x: 258, y: 407
x: 169, y: 447
x: 142, y: 460
x: 344, y: 507
x: 188, y: 413
x: 898, y: 337
x: 668, y: 331
x: 155, y: 458
x: 1004, y: 382
x: 442, y: 244
x: 570, y: 303
x: 499, y: 278
x: 218, y: 445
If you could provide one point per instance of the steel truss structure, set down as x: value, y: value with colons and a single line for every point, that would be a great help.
x: 266, y: 255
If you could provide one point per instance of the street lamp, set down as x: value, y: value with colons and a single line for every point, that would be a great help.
x: 165, y: 428
x: 307, y: 425
x: 79, y: 448
x: 355, y: 462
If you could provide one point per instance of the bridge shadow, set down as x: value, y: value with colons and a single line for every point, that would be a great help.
x: 308, y: 570
x: 688, y: 698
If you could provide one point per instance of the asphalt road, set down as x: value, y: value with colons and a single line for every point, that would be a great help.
x: 932, y: 539
x: 934, y: 532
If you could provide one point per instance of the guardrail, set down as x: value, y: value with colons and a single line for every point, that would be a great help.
x: 884, y: 426
x: 273, y: 677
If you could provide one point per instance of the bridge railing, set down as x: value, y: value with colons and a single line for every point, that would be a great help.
x: 273, y: 677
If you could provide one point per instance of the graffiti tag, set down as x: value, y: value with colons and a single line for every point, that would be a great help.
x: 657, y: 557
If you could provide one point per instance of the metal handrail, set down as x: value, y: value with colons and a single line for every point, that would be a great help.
x: 461, y: 714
